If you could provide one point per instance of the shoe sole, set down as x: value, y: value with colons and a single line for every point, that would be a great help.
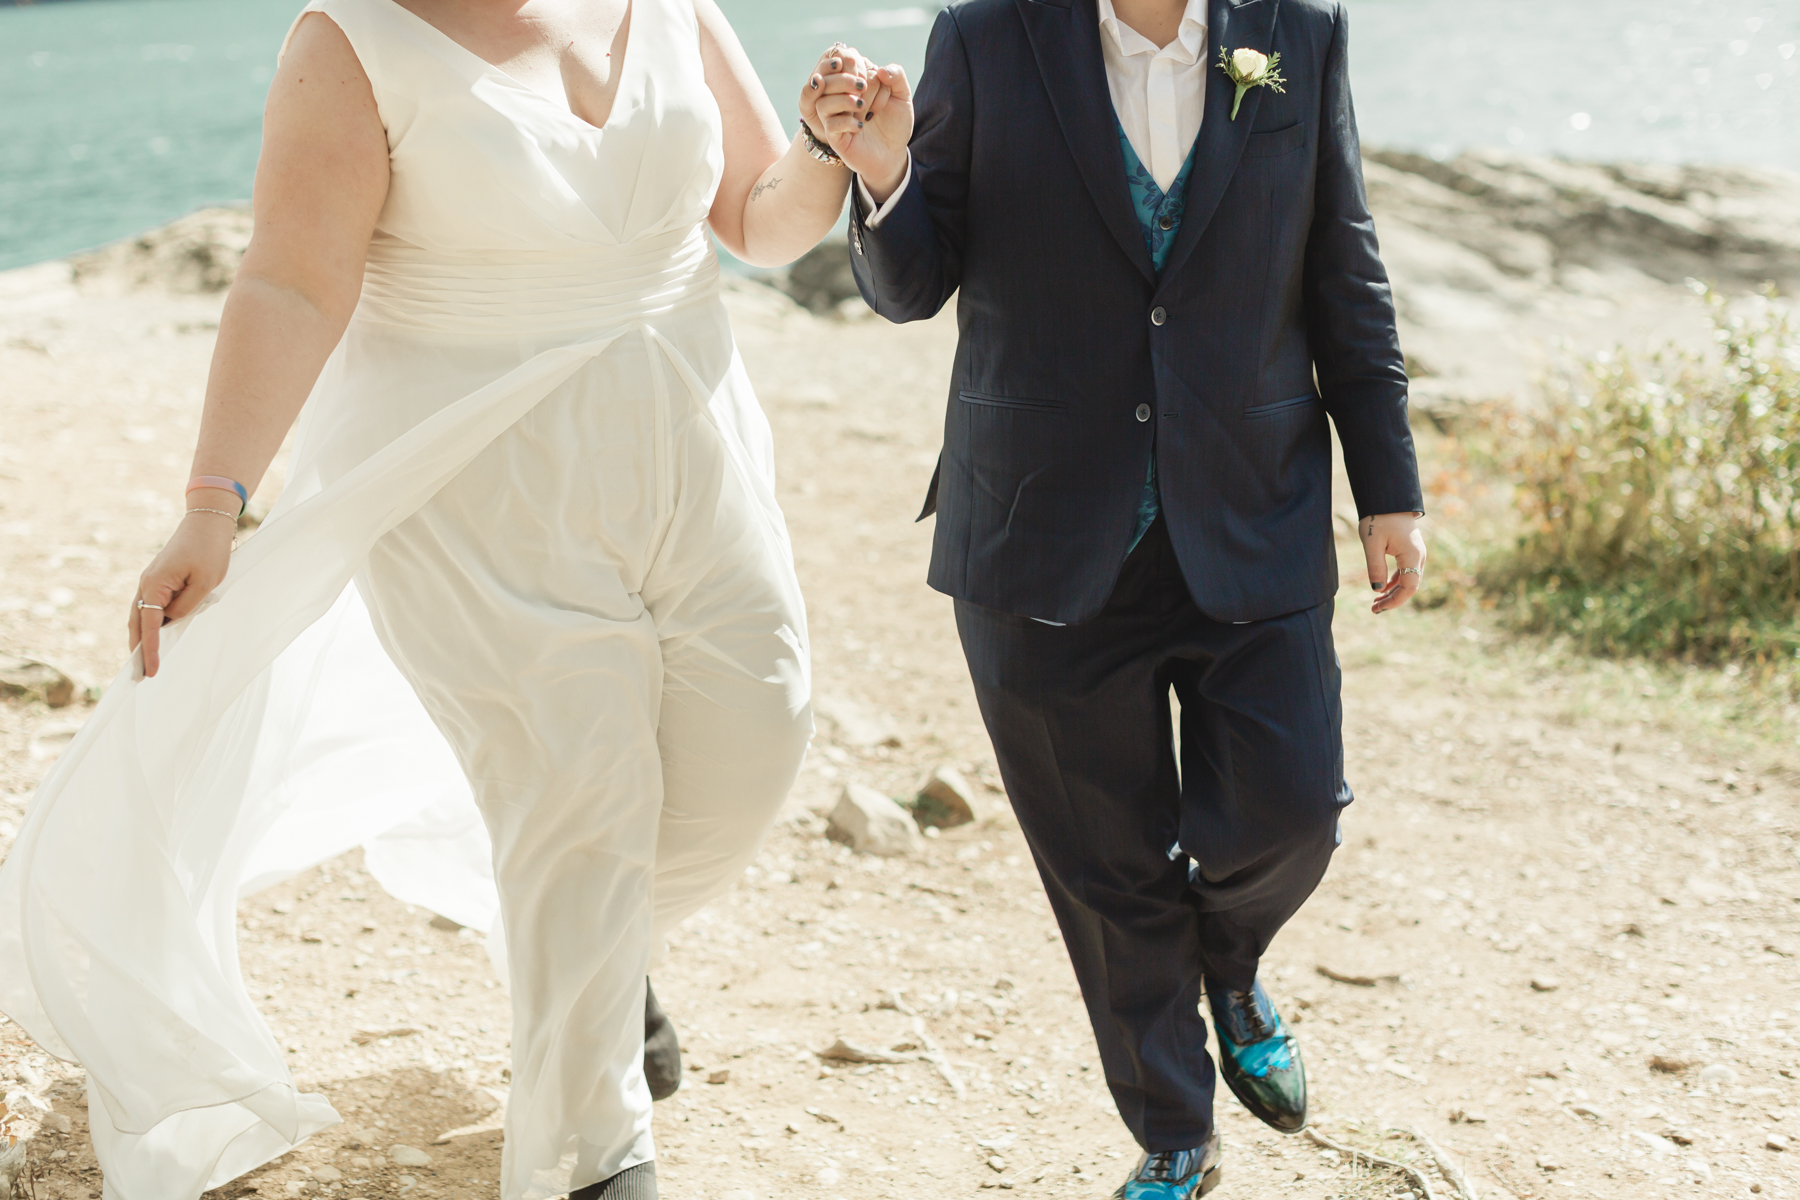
x: 1268, y: 1116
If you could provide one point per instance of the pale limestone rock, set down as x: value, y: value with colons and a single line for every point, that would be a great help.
x: 946, y: 800
x: 870, y: 823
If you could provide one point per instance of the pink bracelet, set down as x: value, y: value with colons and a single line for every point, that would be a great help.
x: 222, y: 484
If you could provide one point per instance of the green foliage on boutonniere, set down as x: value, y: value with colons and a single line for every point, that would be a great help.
x: 1250, y: 69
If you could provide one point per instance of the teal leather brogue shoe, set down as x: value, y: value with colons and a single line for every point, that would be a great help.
x: 1174, y: 1174
x: 1259, y: 1057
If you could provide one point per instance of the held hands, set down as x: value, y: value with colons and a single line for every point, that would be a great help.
x: 191, y: 564
x: 864, y: 112
x: 1396, y: 536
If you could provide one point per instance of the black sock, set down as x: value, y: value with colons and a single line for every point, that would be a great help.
x: 633, y: 1183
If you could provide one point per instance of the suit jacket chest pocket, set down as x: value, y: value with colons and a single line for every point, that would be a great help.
x: 1276, y: 142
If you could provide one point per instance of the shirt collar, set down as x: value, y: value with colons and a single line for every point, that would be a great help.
x: 1190, y: 38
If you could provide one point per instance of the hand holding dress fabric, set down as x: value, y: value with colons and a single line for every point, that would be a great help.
x: 184, y: 572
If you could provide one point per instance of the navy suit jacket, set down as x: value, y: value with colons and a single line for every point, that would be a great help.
x: 1077, y: 361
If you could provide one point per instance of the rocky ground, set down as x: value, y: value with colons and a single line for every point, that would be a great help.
x: 1560, y: 941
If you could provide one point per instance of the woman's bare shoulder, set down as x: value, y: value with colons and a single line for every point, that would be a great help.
x: 320, y: 71
x: 318, y: 46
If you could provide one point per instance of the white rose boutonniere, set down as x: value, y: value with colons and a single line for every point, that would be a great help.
x: 1250, y: 69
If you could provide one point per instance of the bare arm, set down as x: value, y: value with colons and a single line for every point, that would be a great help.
x: 775, y: 201
x: 320, y: 185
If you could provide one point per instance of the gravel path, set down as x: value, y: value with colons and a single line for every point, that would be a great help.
x: 1556, y: 874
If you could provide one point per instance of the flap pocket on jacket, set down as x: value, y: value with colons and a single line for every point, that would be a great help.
x: 1280, y: 141
x: 1280, y: 406
x: 989, y: 400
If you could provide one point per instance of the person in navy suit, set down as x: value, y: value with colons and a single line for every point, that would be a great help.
x: 1169, y: 292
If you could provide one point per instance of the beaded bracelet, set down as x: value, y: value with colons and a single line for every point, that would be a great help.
x: 220, y: 483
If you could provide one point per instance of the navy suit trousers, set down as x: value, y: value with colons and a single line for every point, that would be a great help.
x: 1080, y: 720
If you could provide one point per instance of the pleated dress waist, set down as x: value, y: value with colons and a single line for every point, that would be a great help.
x: 591, y: 291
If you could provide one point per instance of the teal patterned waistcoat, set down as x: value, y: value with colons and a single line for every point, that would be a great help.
x: 1159, y: 216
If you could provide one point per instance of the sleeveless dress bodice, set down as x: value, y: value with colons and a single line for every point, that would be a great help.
x: 505, y: 211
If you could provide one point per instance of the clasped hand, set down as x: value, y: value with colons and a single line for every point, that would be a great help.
x: 864, y: 113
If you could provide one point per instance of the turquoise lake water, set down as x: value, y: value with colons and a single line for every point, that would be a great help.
x: 118, y: 115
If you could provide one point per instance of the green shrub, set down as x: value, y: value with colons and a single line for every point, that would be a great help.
x: 1660, y: 504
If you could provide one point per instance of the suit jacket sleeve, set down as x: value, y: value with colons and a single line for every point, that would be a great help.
x: 909, y: 267
x: 1350, y: 311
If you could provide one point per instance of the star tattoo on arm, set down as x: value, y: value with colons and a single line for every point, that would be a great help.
x: 757, y: 191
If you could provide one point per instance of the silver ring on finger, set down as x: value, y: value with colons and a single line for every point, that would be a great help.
x: 1419, y: 571
x: 157, y: 607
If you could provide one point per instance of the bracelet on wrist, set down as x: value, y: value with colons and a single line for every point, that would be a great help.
x: 819, y: 149
x: 222, y: 484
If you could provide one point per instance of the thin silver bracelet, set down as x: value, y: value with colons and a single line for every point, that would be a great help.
x: 219, y: 511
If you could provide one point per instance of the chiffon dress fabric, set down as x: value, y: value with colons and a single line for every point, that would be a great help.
x: 523, y: 624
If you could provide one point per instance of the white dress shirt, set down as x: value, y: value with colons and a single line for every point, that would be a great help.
x: 1158, y: 94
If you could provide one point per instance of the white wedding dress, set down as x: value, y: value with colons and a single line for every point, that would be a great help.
x: 529, y: 541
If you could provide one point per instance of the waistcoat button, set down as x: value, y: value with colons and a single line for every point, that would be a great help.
x: 1158, y: 315
x: 1166, y: 223
x: 1143, y: 410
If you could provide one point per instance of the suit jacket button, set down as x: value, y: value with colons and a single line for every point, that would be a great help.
x: 1158, y: 315
x: 1143, y: 410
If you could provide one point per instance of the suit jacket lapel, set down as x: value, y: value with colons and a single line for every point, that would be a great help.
x: 1065, y: 38
x: 1232, y: 24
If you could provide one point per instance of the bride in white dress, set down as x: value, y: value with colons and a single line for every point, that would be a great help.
x: 524, y: 622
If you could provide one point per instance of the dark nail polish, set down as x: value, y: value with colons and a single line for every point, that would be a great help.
x: 861, y: 84
x: 859, y: 103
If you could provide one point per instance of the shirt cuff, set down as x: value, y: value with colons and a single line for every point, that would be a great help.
x: 874, y: 214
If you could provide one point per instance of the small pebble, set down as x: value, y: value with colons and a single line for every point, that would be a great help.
x: 1776, y: 1141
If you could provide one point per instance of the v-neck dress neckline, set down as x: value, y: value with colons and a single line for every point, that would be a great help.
x: 626, y: 66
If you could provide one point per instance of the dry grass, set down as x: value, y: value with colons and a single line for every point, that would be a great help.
x: 1657, y: 502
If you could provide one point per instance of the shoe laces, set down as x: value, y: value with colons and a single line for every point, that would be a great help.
x: 1162, y: 1167
x: 1256, y: 1025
